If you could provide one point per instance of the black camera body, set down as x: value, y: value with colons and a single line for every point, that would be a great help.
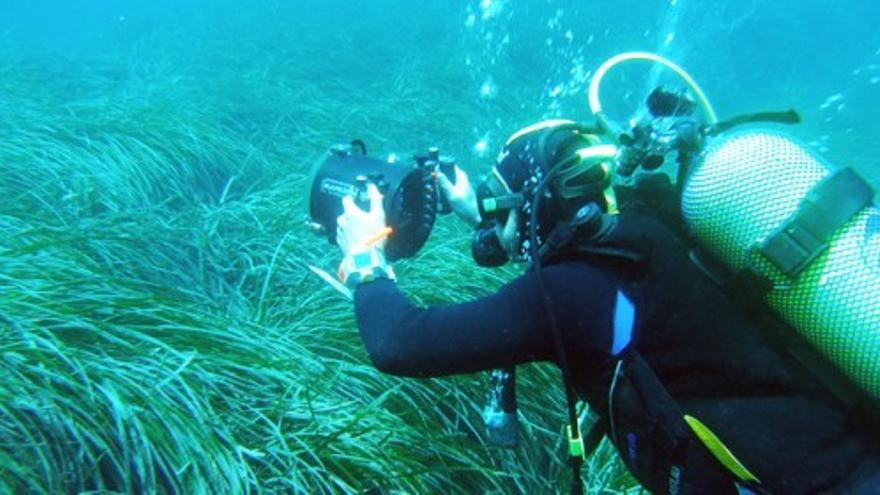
x: 411, y: 199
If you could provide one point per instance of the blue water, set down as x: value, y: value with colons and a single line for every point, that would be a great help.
x: 822, y: 58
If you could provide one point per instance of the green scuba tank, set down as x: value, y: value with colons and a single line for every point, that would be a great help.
x: 766, y: 205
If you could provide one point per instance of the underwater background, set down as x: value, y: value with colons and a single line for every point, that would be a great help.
x: 159, y: 327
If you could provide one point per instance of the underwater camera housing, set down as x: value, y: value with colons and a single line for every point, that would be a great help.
x: 412, y: 203
x: 411, y: 199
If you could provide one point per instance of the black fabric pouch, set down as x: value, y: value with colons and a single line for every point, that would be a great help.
x: 655, y: 442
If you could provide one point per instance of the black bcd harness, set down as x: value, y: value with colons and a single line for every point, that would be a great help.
x: 643, y: 420
x: 640, y: 409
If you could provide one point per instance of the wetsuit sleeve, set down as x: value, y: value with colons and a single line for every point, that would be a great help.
x: 506, y: 328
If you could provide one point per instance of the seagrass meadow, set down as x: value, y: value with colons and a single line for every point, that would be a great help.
x: 160, y: 331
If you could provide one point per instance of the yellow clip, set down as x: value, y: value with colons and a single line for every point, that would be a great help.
x: 575, y: 445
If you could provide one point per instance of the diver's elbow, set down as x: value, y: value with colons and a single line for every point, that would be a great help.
x: 391, y: 361
x: 388, y: 364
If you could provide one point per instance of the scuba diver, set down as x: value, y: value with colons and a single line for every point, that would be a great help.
x: 693, y: 391
x: 697, y: 385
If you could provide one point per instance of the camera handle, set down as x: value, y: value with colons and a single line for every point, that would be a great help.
x: 435, y: 162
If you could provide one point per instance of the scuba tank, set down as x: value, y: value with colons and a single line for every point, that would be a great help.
x: 773, y: 210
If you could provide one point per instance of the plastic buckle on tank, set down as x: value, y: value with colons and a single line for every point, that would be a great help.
x: 792, y: 248
x: 807, y: 233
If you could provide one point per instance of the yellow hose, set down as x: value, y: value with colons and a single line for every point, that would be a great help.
x: 593, y: 95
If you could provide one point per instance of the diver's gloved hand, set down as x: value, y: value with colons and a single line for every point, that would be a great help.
x: 358, y: 228
x: 361, y: 237
x: 461, y: 196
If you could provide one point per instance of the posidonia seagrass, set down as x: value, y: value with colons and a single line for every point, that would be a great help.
x: 159, y: 331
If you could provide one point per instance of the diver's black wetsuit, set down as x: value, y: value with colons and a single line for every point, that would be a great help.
x: 711, y: 358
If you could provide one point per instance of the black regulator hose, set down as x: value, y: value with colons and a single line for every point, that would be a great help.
x: 564, y: 366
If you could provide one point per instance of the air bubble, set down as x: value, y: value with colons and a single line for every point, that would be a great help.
x: 482, y: 146
x: 488, y: 89
x: 831, y: 100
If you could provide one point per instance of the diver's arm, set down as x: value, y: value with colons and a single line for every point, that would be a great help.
x: 504, y: 329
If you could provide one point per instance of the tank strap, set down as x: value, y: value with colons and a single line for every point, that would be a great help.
x: 832, y: 202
